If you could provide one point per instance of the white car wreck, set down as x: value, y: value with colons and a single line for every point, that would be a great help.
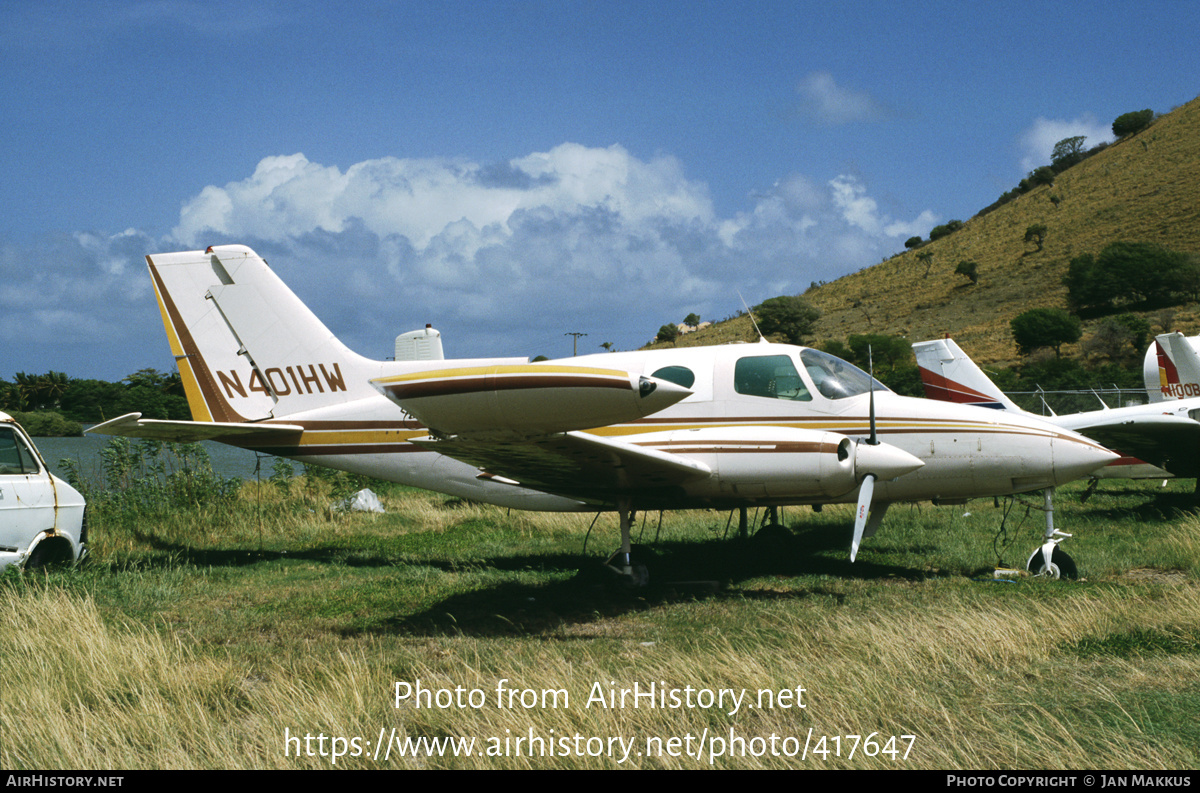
x: 41, y: 516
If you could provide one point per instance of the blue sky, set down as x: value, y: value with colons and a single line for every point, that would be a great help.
x: 512, y: 172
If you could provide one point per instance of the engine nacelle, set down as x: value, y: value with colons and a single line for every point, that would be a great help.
x: 522, y: 401
x: 779, y: 462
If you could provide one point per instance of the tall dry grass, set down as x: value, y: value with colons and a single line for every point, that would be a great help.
x: 996, y: 685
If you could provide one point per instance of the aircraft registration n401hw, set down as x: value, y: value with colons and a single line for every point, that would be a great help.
x: 701, y: 427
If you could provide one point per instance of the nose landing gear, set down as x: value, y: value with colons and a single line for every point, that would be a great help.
x: 1050, y: 560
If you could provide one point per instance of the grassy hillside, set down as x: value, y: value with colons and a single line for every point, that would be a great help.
x: 1142, y: 189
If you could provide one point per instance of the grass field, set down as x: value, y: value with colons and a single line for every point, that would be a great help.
x: 264, y: 632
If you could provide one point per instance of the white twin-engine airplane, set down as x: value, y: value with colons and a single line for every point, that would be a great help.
x: 701, y: 427
x: 1158, y: 440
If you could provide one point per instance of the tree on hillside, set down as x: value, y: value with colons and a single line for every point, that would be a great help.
x: 913, y: 242
x: 1129, y: 123
x: 926, y: 258
x: 667, y: 334
x: 885, y: 353
x: 1036, y: 234
x: 692, y: 319
x: 1045, y: 327
x: 1131, y: 272
x: 793, y: 317
x: 937, y: 232
x: 1067, y: 152
x: 969, y: 269
x: 1038, y: 176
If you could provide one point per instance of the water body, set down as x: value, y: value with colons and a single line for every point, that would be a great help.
x: 226, y: 460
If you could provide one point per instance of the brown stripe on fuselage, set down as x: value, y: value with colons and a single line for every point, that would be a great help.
x: 333, y: 450
x: 742, y: 447
x: 342, y: 426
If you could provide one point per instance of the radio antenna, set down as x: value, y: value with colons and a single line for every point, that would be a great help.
x: 761, y: 338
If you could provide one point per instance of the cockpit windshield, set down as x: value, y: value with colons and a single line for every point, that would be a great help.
x: 835, y: 378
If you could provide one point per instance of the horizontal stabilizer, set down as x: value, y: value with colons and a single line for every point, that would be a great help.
x: 132, y: 425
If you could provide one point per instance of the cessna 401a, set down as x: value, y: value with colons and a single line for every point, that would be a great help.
x: 701, y: 427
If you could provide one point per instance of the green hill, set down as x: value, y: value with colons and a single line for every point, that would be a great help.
x: 1144, y: 188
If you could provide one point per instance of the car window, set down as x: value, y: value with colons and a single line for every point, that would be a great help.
x: 15, y: 457
x: 771, y: 376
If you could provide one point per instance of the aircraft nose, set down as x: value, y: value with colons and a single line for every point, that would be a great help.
x: 1076, y: 457
x: 883, y: 460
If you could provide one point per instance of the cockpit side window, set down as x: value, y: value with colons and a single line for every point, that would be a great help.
x: 835, y: 378
x: 771, y: 376
x: 679, y: 375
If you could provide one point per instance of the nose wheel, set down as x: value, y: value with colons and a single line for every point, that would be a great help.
x: 1060, y: 565
x: 1049, y: 560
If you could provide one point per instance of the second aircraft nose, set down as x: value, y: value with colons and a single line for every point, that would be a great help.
x: 1076, y: 457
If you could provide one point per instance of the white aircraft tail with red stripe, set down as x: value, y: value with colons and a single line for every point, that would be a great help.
x: 950, y: 376
x: 1172, y: 368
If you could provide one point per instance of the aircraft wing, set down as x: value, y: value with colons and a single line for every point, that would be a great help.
x: 573, y: 464
x: 132, y: 425
x: 1169, y: 442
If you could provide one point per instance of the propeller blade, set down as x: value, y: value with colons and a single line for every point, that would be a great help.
x: 865, y: 491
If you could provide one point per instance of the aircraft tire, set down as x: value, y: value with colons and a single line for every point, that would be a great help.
x: 1061, y: 565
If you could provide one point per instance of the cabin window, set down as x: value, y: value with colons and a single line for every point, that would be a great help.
x: 835, y: 378
x: 771, y: 376
x: 679, y: 375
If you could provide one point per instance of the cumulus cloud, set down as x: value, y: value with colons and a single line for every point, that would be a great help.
x: 76, y: 301
x: 830, y: 104
x: 503, y: 257
x: 1037, y: 142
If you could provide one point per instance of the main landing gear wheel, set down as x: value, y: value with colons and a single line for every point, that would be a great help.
x: 1061, y: 565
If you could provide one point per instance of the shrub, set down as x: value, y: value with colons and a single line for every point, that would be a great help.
x: 1036, y: 234
x: 793, y: 317
x: 1129, y: 123
x: 1131, y: 272
x: 1045, y: 327
x: 47, y: 424
x: 146, y: 479
x: 937, y: 232
x: 1041, y: 176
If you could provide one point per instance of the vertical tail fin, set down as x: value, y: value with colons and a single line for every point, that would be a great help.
x: 247, y: 348
x: 1172, y: 368
x: 950, y: 376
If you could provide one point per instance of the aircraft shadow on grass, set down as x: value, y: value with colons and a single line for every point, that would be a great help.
x: 680, y: 571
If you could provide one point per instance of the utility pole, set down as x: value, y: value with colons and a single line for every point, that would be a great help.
x: 575, y: 342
